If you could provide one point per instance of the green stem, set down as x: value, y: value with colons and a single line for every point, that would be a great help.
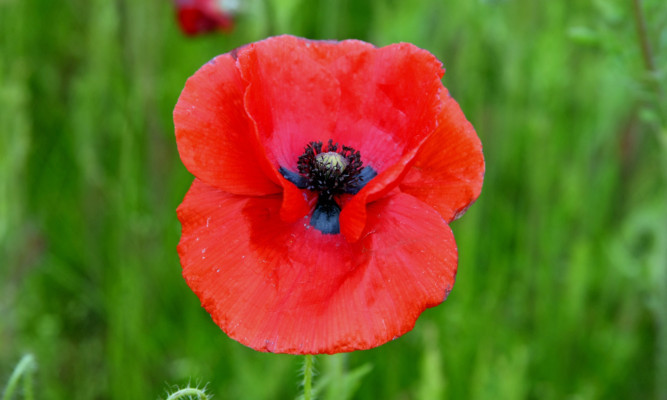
x: 308, y: 377
x: 187, y: 392
x: 28, y: 391
x: 647, y: 55
x: 24, y: 369
x: 661, y: 315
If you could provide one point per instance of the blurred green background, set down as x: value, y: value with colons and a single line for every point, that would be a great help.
x: 562, y: 284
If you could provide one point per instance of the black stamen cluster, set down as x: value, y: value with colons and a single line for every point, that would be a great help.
x: 325, y: 179
x: 329, y: 170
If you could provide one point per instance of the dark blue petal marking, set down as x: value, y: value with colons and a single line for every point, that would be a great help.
x: 325, y: 217
x: 297, y: 179
x: 366, y: 174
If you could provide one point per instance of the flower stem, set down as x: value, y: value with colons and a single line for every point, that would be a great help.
x: 187, y: 392
x: 25, y: 369
x: 308, y: 377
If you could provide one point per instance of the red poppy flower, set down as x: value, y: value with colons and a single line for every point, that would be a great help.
x: 326, y: 176
x: 203, y: 16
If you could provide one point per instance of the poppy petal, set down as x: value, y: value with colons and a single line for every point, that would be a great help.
x: 353, y: 216
x: 215, y: 137
x: 449, y: 168
x: 290, y: 97
x: 287, y: 288
x: 388, y: 98
x: 380, y: 101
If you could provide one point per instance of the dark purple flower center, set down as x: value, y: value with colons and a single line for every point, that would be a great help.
x: 329, y: 170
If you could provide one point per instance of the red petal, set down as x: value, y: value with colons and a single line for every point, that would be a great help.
x: 353, y: 216
x: 390, y: 100
x: 292, y: 99
x: 449, y: 169
x: 284, y: 287
x: 216, y: 139
x: 389, y: 97
x: 382, y: 101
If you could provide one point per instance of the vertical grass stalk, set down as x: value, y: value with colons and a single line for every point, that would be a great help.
x: 661, y: 315
x: 648, y: 56
x: 25, y: 369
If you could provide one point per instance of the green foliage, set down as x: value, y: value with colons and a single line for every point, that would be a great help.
x: 562, y: 283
